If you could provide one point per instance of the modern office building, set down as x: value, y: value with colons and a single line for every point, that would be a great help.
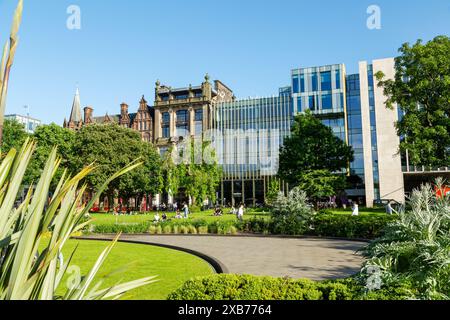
x: 248, y: 133
x: 30, y: 124
x: 352, y: 105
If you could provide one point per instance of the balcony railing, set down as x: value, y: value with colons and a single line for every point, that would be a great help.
x: 425, y: 169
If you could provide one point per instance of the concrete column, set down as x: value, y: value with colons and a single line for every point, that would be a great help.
x: 173, y: 128
x: 158, y: 129
x: 389, y: 159
x: 366, y: 133
x: 192, y: 121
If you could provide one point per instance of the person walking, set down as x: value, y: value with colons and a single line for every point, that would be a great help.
x: 240, y: 213
x: 355, y: 209
x: 186, y: 210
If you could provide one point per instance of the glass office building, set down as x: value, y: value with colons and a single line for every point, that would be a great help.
x: 351, y: 105
x: 251, y: 132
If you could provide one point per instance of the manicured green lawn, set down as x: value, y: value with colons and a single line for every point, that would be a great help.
x: 362, y: 211
x: 103, y: 218
x: 172, y: 267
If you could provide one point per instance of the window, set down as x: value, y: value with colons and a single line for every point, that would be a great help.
x: 312, y: 102
x: 314, y: 81
x: 325, y: 79
x: 166, y: 125
x: 299, y: 104
x: 302, y: 83
x: 327, y: 102
x: 182, y: 123
x: 338, y: 79
x: 198, y: 122
x: 295, y: 84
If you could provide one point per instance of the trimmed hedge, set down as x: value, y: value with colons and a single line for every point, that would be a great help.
x: 346, y: 226
x: 246, y: 287
x: 323, y: 225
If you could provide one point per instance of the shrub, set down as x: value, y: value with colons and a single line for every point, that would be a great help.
x: 347, y: 226
x: 416, y: 247
x: 192, y: 229
x: 203, y: 230
x: 176, y: 229
x: 246, y: 287
x: 159, y: 229
x: 152, y: 229
x: 292, y: 215
x: 184, y: 230
x: 167, y: 229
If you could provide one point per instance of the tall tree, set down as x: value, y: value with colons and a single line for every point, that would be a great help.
x: 9, y: 51
x: 47, y: 137
x: 421, y: 88
x: 312, y: 146
x: 111, y: 147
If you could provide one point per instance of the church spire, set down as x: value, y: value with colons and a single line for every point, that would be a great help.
x: 75, y: 115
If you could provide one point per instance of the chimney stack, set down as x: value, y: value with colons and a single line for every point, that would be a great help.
x: 88, y: 111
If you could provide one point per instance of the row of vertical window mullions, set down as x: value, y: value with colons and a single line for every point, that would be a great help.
x: 298, y: 81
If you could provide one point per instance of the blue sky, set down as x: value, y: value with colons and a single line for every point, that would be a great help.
x: 123, y: 47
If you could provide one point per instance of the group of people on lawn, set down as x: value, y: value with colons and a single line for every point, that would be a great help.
x: 184, y: 213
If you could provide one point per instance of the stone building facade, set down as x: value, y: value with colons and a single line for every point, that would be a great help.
x: 176, y: 112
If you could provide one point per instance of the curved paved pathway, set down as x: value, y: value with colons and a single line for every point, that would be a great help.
x: 316, y: 259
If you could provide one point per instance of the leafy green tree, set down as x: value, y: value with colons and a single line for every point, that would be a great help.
x: 197, y: 171
x: 421, y: 88
x: 14, y: 135
x: 111, y: 147
x: 319, y: 184
x: 312, y: 146
x: 202, y: 176
x: 47, y: 137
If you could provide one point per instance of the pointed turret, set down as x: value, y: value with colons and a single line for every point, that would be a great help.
x: 75, y: 116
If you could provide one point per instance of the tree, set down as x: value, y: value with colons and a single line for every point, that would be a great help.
x: 47, y: 137
x: 14, y: 135
x: 319, y: 184
x: 111, y: 147
x: 312, y: 146
x: 421, y: 88
x: 196, y: 170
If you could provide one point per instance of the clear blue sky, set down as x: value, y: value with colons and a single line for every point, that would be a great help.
x: 251, y: 45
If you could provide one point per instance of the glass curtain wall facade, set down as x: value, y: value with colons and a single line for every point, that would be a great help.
x: 355, y: 133
x: 253, y: 131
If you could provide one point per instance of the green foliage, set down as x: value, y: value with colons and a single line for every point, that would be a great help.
x: 246, y: 287
x: 47, y: 137
x: 320, y: 184
x: 292, y: 215
x: 14, y: 135
x: 347, y: 226
x: 29, y: 262
x: 421, y: 88
x: 110, y: 147
x: 272, y: 192
x: 416, y: 247
x: 312, y: 146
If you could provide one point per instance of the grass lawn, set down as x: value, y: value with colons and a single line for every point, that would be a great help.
x: 362, y: 211
x: 107, y: 219
x: 172, y: 267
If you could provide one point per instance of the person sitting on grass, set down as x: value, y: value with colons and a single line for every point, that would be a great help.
x: 156, y: 218
x: 218, y: 212
x: 164, y: 217
x: 178, y: 215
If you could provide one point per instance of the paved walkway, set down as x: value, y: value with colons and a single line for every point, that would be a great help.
x: 316, y: 259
